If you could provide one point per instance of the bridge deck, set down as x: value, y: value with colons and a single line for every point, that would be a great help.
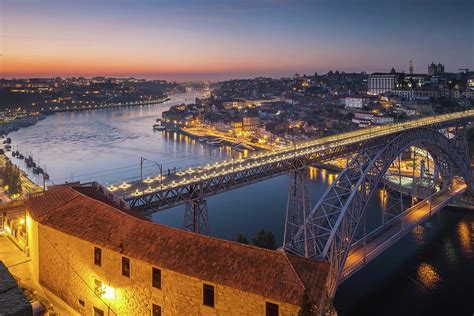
x: 179, y: 187
x: 382, y: 238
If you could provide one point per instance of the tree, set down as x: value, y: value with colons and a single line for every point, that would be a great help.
x: 242, y: 239
x: 264, y: 239
x: 307, y: 307
x: 10, y: 175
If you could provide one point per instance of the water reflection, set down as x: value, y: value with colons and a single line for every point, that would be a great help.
x: 383, y: 197
x: 450, y: 252
x: 428, y: 276
x: 419, y: 234
x: 465, y: 235
x: 313, y: 173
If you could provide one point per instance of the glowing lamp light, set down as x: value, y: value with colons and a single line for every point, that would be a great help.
x: 148, y: 180
x: 22, y: 221
x: 108, y: 292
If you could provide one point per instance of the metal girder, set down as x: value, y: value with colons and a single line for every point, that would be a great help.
x: 148, y: 203
x: 215, y: 184
x: 196, y: 218
x: 333, y: 221
x: 297, y: 209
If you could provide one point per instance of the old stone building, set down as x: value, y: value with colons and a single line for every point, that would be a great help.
x: 102, y: 260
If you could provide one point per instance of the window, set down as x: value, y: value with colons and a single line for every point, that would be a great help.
x: 98, y: 312
x: 156, y: 278
x: 208, y: 295
x: 98, y: 287
x: 126, y: 267
x: 156, y: 310
x: 271, y: 309
x: 97, y: 256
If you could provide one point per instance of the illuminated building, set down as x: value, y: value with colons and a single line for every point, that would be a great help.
x: 103, y: 260
x: 356, y: 102
x: 251, y: 123
x: 382, y: 82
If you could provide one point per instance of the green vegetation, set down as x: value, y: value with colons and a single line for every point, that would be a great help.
x: 242, y: 239
x: 263, y: 239
x: 307, y: 306
x: 10, y: 176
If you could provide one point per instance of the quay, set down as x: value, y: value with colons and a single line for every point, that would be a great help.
x: 226, y: 140
x: 109, y: 106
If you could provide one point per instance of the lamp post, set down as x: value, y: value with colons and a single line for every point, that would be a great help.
x: 160, y: 167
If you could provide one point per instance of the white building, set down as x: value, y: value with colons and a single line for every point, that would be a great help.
x: 380, y: 120
x: 382, y: 82
x: 363, y: 119
x: 355, y: 102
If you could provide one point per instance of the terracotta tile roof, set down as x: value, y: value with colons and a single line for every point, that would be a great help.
x: 272, y: 274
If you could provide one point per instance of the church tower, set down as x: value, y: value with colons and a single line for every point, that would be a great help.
x: 410, y: 69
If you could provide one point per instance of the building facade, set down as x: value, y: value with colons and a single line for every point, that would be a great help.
x: 101, y: 260
x: 355, y: 102
x: 379, y: 83
x: 434, y: 70
x: 251, y: 123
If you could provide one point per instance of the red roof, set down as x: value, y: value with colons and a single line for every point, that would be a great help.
x: 272, y: 274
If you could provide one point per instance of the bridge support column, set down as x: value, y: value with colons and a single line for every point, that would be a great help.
x: 195, y: 217
x: 297, y: 209
x: 392, y: 194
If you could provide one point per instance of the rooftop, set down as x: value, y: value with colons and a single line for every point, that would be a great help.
x: 271, y: 274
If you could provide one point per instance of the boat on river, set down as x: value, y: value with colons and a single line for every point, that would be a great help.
x: 158, y: 127
x: 215, y: 142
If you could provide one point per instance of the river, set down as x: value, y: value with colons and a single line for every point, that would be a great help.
x: 430, y: 271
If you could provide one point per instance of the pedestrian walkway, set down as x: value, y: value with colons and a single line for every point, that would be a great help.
x: 20, y: 267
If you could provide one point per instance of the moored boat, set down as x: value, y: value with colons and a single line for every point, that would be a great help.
x: 215, y: 142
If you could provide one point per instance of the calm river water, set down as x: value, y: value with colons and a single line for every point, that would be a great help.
x: 429, y: 272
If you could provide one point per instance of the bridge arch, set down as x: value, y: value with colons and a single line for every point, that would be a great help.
x: 332, y: 223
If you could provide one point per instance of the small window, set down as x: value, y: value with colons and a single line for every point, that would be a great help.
x: 271, y: 309
x: 98, y: 312
x: 97, y: 256
x: 98, y: 287
x: 208, y: 295
x: 82, y: 303
x: 126, y: 267
x: 156, y: 282
x: 156, y: 310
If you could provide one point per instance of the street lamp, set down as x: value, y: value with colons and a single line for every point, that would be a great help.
x: 160, y: 166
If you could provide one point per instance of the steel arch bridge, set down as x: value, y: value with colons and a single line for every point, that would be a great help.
x: 327, y: 231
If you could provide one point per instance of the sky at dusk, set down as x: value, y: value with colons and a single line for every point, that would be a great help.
x: 189, y: 40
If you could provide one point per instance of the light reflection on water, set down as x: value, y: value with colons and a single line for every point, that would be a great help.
x: 466, y: 237
x: 428, y: 276
x: 418, y: 232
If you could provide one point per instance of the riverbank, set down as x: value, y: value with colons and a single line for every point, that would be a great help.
x: 237, y: 144
x: 28, y: 186
x: 111, y: 106
x: 30, y: 120
x: 16, y: 124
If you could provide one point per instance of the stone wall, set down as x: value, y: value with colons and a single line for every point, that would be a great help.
x: 66, y: 267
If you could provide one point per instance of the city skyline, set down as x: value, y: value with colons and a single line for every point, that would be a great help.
x: 214, y: 40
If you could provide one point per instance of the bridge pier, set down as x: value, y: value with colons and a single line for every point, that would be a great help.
x: 195, y: 217
x: 392, y: 197
x: 297, y: 208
